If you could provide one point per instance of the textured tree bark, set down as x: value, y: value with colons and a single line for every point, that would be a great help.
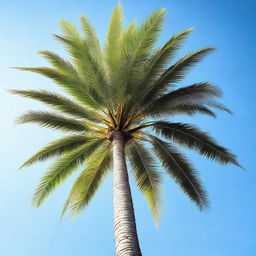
x: 126, y: 238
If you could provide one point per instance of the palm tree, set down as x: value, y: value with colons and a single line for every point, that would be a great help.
x: 121, y: 95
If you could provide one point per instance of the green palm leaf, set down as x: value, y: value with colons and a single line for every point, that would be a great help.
x: 193, y: 138
x: 181, y: 171
x: 69, y: 29
x: 147, y: 178
x: 166, y: 53
x: 190, y: 100
x: 175, y: 73
x: 112, y: 45
x: 71, y: 84
x: 117, y: 73
x: 86, y: 64
x: 138, y: 49
x: 59, y: 63
x: 145, y: 37
x: 57, y: 148
x: 91, y: 37
x: 93, y: 58
x: 157, y: 62
x: 179, y: 109
x: 86, y: 185
x: 53, y: 120
x: 59, y: 102
x: 62, y: 169
x: 195, y: 93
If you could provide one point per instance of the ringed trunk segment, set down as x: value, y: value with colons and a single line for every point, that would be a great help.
x: 126, y: 238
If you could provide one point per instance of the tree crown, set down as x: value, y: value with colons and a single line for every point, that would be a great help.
x: 128, y: 85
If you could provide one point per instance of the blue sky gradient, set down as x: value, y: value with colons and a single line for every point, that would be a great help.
x: 227, y: 228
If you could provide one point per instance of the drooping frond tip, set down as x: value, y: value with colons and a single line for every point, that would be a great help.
x: 147, y: 178
x: 62, y: 169
x: 86, y: 185
x: 191, y: 137
x: 181, y: 171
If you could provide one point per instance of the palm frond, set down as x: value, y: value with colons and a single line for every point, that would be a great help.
x: 59, y: 63
x: 59, y: 102
x: 86, y: 185
x: 166, y: 53
x: 179, y: 109
x: 194, y: 94
x: 181, y: 171
x: 87, y: 64
x: 112, y: 45
x: 189, y: 99
x: 147, y: 178
x: 91, y: 37
x: 175, y: 73
x: 57, y: 148
x: 71, y: 84
x: 53, y: 120
x: 138, y: 48
x: 69, y: 29
x: 118, y: 72
x: 146, y: 35
x: 62, y: 169
x: 219, y: 106
x: 157, y: 64
x: 194, y: 138
x: 94, y: 58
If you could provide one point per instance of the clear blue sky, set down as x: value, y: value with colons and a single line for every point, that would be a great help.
x: 228, y: 228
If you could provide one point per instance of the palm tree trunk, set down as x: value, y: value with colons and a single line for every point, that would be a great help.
x: 126, y: 238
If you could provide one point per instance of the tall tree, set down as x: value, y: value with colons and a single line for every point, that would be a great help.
x: 120, y: 97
